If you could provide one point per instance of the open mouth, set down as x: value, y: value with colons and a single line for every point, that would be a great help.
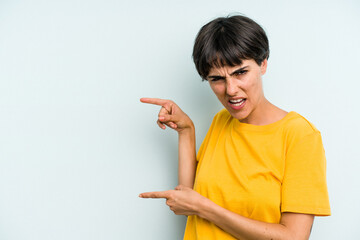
x: 237, y: 102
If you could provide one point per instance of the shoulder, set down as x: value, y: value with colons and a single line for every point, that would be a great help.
x: 297, y: 127
x: 296, y: 122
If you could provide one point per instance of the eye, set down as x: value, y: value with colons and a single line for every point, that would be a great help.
x: 215, y: 79
x: 240, y: 72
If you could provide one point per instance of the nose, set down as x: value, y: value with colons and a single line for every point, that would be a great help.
x: 232, y: 87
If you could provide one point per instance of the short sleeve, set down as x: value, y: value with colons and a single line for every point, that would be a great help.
x: 304, y: 188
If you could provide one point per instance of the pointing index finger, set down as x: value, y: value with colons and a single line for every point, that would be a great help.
x: 156, y: 101
x: 161, y: 194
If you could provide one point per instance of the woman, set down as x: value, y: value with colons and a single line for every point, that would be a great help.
x: 260, y: 171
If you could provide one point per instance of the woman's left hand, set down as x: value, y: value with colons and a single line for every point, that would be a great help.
x: 182, y: 201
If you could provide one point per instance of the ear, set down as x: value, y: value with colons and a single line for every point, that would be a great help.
x: 263, y: 66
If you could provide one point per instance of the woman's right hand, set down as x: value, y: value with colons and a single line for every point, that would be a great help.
x: 170, y: 115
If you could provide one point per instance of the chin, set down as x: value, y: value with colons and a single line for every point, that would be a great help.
x: 239, y: 115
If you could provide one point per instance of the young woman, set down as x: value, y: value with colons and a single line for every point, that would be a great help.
x: 260, y: 172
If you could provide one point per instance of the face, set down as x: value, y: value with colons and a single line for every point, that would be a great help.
x: 239, y: 88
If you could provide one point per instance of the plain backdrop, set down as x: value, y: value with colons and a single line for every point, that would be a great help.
x: 77, y: 146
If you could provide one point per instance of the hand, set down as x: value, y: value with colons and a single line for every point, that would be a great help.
x: 182, y: 201
x: 170, y: 114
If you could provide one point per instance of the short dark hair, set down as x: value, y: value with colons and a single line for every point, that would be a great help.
x: 226, y: 41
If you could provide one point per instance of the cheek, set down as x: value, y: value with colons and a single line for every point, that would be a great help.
x: 253, y: 87
x: 218, y: 89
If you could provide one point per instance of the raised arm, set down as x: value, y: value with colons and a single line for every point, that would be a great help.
x: 172, y: 116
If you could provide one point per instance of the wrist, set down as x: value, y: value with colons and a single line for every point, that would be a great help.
x: 190, y: 129
x: 205, y: 208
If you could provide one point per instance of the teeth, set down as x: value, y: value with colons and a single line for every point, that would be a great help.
x: 237, y: 102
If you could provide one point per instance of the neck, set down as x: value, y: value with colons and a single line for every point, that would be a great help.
x: 265, y: 113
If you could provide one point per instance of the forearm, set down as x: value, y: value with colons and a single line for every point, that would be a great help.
x: 187, y: 157
x: 247, y: 229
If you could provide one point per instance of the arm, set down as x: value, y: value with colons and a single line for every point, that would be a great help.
x: 187, y: 157
x: 185, y: 201
x: 172, y: 116
x: 292, y: 225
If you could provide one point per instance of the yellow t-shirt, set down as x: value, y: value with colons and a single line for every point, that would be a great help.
x: 260, y: 171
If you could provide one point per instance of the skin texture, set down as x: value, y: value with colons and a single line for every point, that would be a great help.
x: 242, y: 81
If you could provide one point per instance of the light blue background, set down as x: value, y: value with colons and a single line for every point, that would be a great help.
x: 77, y: 146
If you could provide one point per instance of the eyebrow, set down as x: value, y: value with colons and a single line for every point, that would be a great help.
x: 236, y: 71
